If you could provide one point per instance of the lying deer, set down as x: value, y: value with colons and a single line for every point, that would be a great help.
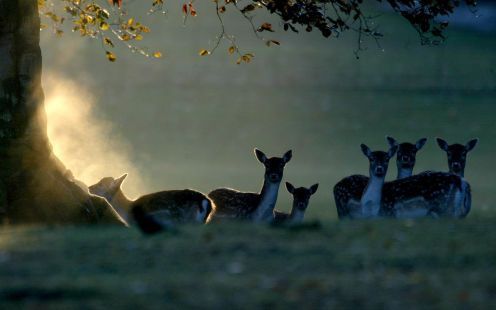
x: 434, y: 194
x: 301, y: 198
x: 156, y: 209
x: 257, y: 207
x: 348, y: 192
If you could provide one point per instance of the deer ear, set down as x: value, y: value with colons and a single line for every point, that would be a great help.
x: 260, y: 156
x: 420, y: 143
x: 442, y: 144
x: 314, y: 188
x: 392, y: 151
x: 471, y: 144
x: 287, y: 156
x: 391, y: 141
x: 365, y: 150
x: 118, y: 182
x: 290, y: 187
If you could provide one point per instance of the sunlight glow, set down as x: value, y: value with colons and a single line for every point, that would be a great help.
x: 85, y: 142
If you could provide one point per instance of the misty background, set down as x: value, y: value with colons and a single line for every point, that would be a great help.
x: 187, y: 121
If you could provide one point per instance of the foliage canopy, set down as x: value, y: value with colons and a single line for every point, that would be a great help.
x: 109, y: 21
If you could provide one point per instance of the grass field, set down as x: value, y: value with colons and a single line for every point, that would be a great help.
x: 350, y: 265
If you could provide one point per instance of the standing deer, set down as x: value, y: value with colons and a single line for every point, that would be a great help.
x: 457, y: 155
x: 457, y: 159
x: 301, y: 198
x: 406, y: 156
x: 370, y: 202
x: 348, y: 192
x: 435, y: 194
x: 256, y: 207
x: 154, y: 210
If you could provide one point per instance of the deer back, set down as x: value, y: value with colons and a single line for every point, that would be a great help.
x: 425, y: 194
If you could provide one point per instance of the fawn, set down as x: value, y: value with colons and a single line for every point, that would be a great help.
x: 348, y: 192
x: 301, y: 198
x: 172, y: 206
x: 256, y: 207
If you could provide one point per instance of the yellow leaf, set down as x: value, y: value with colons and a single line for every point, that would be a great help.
x: 138, y: 37
x: 130, y: 21
x: 107, y: 41
x: 157, y: 55
x: 111, y: 56
x: 104, y: 26
x: 269, y: 42
x: 203, y: 52
x: 231, y: 50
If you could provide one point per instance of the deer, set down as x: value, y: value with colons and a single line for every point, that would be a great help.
x: 348, y: 192
x: 255, y: 207
x: 457, y: 159
x: 301, y: 198
x: 457, y: 155
x: 406, y: 156
x: 154, y: 211
x: 429, y: 194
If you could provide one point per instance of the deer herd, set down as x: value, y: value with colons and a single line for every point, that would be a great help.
x: 427, y: 194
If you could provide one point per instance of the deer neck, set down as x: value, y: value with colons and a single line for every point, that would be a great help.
x: 268, y: 198
x: 404, y: 172
x: 121, y: 204
x: 296, y: 215
x: 371, y: 198
x: 461, y: 174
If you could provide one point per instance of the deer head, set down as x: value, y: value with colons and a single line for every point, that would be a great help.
x: 457, y: 154
x: 301, y: 195
x: 274, y: 166
x: 406, y: 154
x: 107, y: 187
x: 378, y: 160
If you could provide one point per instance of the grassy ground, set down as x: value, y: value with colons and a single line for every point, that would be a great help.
x: 371, y: 264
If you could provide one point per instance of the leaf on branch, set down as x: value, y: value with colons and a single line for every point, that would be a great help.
x: 203, y: 52
x: 231, y: 50
x: 265, y: 27
x: 222, y: 9
x: 248, y: 8
x: 115, y: 2
x: 110, y: 56
x: 108, y: 42
x: 246, y: 58
x: 104, y: 26
x: 270, y: 42
x: 185, y: 9
x: 157, y: 55
x: 125, y: 37
x: 192, y: 10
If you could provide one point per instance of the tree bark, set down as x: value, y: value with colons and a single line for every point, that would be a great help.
x: 34, y: 184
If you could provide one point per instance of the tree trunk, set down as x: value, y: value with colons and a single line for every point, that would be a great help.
x: 34, y: 184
